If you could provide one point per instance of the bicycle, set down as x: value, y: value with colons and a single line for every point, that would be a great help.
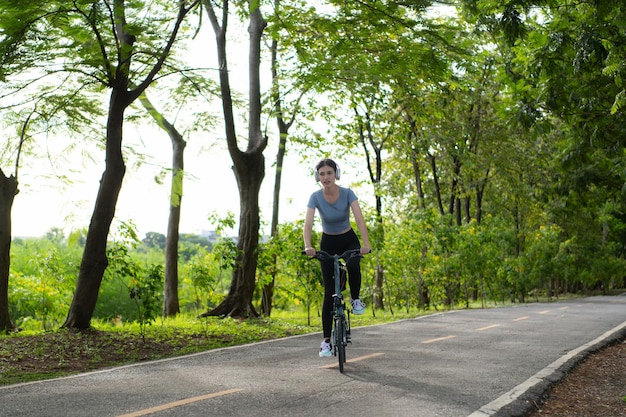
x: 341, y: 315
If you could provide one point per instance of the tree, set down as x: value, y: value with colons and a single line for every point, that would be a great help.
x: 248, y: 164
x: 367, y: 54
x: 25, y: 67
x: 14, y: 37
x: 284, y: 121
x: 8, y: 191
x: 566, y: 62
x: 154, y: 240
x: 114, y: 53
x: 171, y: 306
x: 191, y: 86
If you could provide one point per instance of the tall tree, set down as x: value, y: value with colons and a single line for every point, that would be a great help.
x: 113, y: 48
x: 8, y: 191
x: 359, y: 53
x: 248, y: 164
x: 171, y: 305
x: 15, y: 37
x: 35, y: 98
x: 284, y: 121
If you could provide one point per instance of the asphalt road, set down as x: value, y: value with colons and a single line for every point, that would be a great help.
x: 464, y: 363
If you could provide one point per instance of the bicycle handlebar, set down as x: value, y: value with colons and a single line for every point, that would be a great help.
x: 347, y: 255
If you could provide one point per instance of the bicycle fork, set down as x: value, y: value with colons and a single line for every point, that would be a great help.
x: 347, y: 317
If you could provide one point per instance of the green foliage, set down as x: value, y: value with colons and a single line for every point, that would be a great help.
x: 143, y: 284
x: 154, y: 240
x: 42, y: 278
x: 430, y: 263
x: 298, y: 279
x: 145, y: 291
x: 203, y: 281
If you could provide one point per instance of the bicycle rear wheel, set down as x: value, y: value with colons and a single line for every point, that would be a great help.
x: 340, y: 342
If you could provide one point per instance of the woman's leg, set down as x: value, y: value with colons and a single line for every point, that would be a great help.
x: 327, y: 305
x: 326, y: 245
x: 338, y: 244
x: 351, y: 241
x: 354, y: 278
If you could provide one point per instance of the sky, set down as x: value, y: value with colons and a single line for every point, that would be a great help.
x: 209, y: 187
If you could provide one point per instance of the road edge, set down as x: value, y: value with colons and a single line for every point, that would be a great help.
x: 523, y: 399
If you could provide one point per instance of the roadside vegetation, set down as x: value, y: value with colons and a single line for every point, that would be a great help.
x: 427, y: 267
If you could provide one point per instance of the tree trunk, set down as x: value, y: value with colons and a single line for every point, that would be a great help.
x: 94, y: 260
x: 421, y: 203
x: 433, y: 167
x: 249, y: 166
x: 454, y: 186
x: 283, y: 131
x: 480, y: 192
x: 8, y: 191
x: 171, y: 304
x: 250, y: 172
x: 467, y: 206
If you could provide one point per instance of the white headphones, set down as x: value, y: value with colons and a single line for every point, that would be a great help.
x: 326, y: 162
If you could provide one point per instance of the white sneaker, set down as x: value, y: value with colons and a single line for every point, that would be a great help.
x: 326, y: 349
x: 358, y: 307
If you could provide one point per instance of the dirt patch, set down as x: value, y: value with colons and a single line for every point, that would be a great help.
x: 64, y: 352
x: 596, y: 387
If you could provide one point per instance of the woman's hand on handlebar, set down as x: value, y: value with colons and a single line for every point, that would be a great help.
x: 365, y: 250
x: 309, y: 251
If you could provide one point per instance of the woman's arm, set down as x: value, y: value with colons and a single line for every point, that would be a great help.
x: 308, y: 231
x: 360, y: 222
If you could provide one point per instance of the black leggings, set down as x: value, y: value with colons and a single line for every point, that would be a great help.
x: 338, y: 244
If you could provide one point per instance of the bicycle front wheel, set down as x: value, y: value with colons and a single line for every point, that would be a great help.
x: 340, y: 344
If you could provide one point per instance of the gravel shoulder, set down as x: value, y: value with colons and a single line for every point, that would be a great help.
x: 595, y: 387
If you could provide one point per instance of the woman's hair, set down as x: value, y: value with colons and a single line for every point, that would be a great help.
x: 327, y: 162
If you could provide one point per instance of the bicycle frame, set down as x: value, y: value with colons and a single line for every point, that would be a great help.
x: 341, y: 315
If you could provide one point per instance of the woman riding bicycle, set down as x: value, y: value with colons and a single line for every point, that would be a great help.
x: 334, y: 203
